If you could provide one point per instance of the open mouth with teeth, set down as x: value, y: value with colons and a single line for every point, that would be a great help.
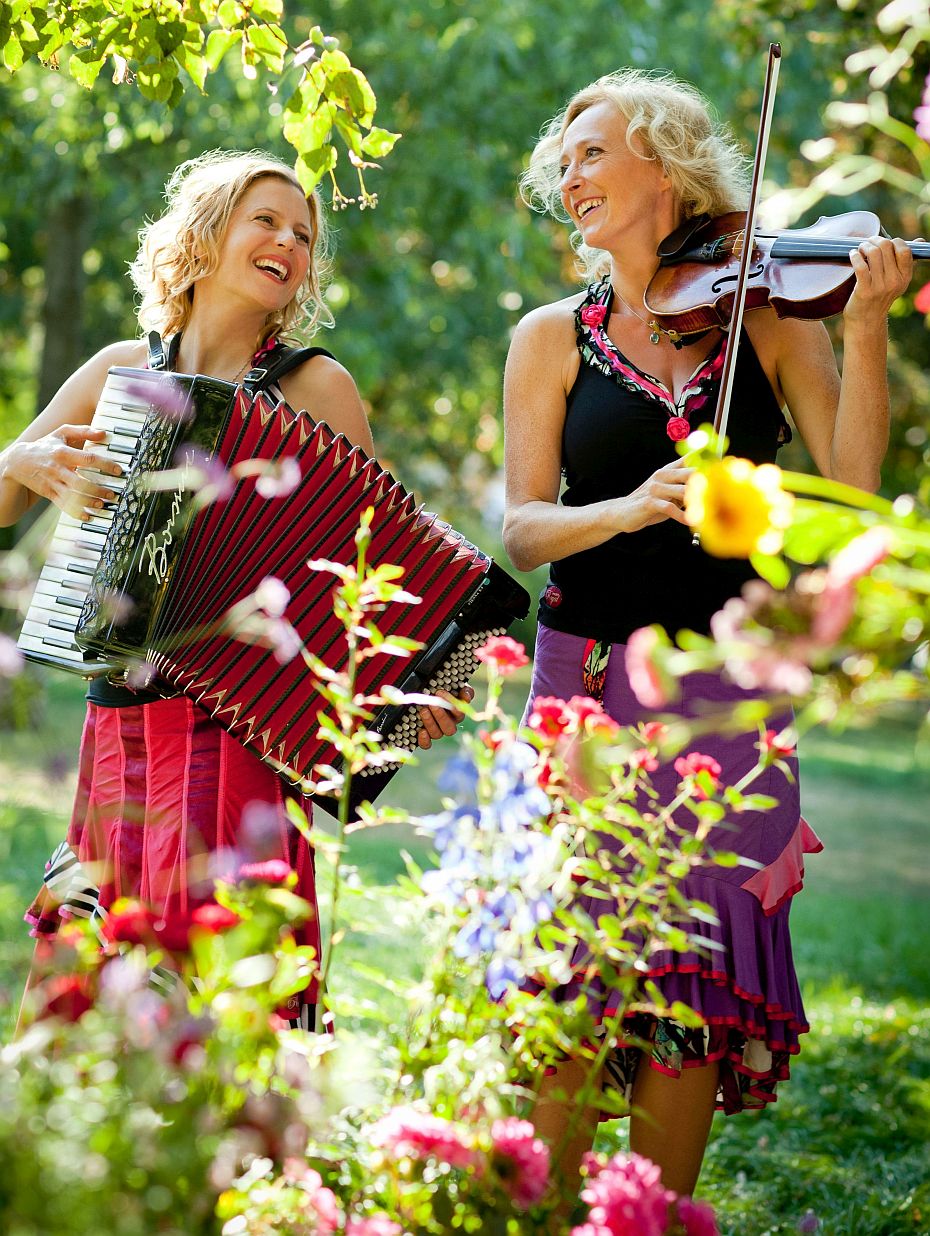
x: 280, y: 270
x: 585, y: 208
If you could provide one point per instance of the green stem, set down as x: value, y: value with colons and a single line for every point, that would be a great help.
x: 836, y: 491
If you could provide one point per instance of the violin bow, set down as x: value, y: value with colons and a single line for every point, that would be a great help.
x: 722, y: 414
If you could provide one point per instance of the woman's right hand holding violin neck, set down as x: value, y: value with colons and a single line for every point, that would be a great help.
x: 48, y: 466
x: 660, y: 497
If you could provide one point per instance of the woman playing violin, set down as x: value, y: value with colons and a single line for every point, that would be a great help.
x: 598, y: 393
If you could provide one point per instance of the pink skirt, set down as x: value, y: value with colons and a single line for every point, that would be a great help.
x: 166, y: 803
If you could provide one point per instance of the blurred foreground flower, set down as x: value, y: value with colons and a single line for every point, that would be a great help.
x: 522, y: 1161
x: 407, y: 1133
x: 738, y: 508
x: 502, y: 655
x: 626, y: 1197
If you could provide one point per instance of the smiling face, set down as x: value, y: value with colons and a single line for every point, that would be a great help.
x: 611, y: 192
x: 265, y: 254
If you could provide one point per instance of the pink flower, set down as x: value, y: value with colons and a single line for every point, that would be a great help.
x: 503, y: 654
x: 654, y: 731
x: 593, y: 315
x: 694, y: 764
x: 272, y: 596
x: 521, y: 1160
x: 278, y: 478
x: 645, y: 678
x: 643, y: 759
x: 775, y: 746
x: 408, y: 1133
x: 272, y: 871
x: 859, y: 557
x: 835, y: 604
x: 583, y: 707
x: 377, y: 1225
x: 626, y: 1198
x: 922, y: 299
x: 697, y: 1218
x: 549, y: 717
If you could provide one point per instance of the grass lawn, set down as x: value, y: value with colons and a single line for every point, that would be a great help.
x: 848, y: 1137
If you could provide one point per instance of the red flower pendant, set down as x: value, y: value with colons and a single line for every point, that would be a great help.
x: 678, y: 428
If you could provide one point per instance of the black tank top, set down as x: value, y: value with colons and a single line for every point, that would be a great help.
x: 614, y: 438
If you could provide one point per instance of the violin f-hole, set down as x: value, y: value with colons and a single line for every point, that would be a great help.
x: 719, y: 284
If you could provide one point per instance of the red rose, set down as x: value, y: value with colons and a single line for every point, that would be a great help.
x: 593, y: 315
x: 174, y: 934
x: 129, y: 922
x: 67, y: 996
x: 678, y: 428
x: 502, y: 654
x: 214, y: 918
x: 274, y: 871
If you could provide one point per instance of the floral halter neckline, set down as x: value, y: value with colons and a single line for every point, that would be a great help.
x: 599, y: 351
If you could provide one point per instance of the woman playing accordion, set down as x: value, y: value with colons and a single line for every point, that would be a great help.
x: 166, y: 800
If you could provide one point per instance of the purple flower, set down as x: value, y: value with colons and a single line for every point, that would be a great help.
x: 278, y: 478
x: 922, y: 113
x: 11, y: 659
x: 808, y: 1222
x: 206, y: 475
x: 169, y: 398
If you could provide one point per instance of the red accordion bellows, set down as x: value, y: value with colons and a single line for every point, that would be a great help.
x: 233, y: 544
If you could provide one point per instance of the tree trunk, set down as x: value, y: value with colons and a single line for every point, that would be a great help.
x: 62, y: 313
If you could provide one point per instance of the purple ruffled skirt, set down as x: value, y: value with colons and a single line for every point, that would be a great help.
x: 746, y: 989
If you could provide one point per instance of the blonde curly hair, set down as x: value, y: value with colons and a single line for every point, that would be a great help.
x: 183, y: 244
x: 673, y: 123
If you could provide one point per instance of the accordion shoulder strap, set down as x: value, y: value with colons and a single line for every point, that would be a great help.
x: 280, y: 361
x: 276, y: 363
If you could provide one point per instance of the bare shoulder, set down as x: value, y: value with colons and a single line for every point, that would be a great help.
x: 550, y: 323
x: 327, y: 391
x: 544, y: 350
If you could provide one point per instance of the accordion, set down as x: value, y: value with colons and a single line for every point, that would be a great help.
x: 155, y: 579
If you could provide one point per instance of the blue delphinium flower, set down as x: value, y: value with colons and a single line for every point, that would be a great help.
x: 496, y: 865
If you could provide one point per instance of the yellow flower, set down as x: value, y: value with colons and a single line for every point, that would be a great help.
x: 738, y: 508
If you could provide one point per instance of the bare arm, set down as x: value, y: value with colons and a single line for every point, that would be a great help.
x: 844, y: 421
x: 540, y: 369
x: 42, y: 461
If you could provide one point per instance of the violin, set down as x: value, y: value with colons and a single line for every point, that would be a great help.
x: 801, y: 272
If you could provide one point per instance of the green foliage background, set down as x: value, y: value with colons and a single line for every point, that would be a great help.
x: 428, y: 285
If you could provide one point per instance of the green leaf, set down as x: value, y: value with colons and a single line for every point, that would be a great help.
x: 268, y: 10
x: 84, y: 71
x: 218, y: 44
x: 774, y: 570
x: 194, y: 64
x: 230, y: 13
x: 13, y: 56
x: 378, y: 143
x: 270, y: 44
